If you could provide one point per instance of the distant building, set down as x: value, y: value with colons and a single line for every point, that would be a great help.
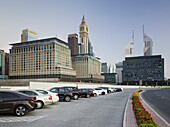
x: 111, y: 68
x: 85, y: 44
x: 4, y: 65
x: 148, y: 44
x: 119, y: 69
x: 128, y: 50
x: 28, y: 35
x: 143, y: 68
x: 88, y: 68
x: 73, y: 44
x: 44, y: 58
x: 104, y: 67
x: 109, y: 77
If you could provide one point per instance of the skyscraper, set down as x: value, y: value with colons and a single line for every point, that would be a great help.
x: 119, y: 69
x: 73, y: 44
x: 84, y: 38
x: 128, y: 50
x: 148, y: 44
x: 28, y: 35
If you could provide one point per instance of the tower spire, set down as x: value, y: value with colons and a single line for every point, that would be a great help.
x: 83, y: 20
x: 143, y: 29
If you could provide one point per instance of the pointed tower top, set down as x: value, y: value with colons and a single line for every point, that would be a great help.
x: 143, y: 29
x: 83, y: 20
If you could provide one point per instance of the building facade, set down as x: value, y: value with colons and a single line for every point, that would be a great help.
x: 28, y: 35
x: 111, y: 68
x: 45, y: 58
x: 143, y: 68
x: 104, y: 67
x: 119, y: 69
x: 109, y: 77
x: 128, y: 50
x: 148, y: 44
x: 88, y: 68
x: 4, y: 64
x: 73, y: 44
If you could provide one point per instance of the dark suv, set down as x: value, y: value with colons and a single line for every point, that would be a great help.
x: 17, y: 103
x: 63, y: 93
x: 85, y: 93
x: 75, y: 91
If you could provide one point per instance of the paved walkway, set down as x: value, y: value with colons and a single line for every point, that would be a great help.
x: 130, y: 120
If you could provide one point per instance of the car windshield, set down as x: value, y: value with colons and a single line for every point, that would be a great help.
x: 42, y: 91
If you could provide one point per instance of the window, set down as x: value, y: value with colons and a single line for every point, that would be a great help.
x: 8, y: 95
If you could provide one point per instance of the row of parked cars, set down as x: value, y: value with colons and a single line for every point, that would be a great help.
x: 22, y: 101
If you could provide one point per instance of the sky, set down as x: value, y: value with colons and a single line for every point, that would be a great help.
x: 110, y: 22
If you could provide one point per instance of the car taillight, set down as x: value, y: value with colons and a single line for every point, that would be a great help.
x: 31, y: 99
x: 50, y: 98
x: 72, y: 92
x: 79, y: 91
x: 57, y: 94
x: 92, y: 93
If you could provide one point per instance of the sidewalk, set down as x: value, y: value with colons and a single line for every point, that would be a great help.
x: 130, y: 120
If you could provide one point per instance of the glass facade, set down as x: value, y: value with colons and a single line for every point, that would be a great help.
x: 143, y: 68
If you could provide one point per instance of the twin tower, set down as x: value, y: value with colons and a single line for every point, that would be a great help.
x: 148, y: 45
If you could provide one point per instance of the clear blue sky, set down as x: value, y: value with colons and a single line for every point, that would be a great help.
x: 110, y: 22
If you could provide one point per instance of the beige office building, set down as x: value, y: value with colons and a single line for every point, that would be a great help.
x: 45, y: 58
x: 88, y: 68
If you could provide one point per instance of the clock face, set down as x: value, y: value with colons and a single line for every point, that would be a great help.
x: 82, y: 28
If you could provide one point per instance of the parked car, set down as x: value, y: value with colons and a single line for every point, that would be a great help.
x: 119, y: 89
x: 16, y: 103
x: 55, y: 97
x: 106, y: 88
x: 100, y: 91
x: 63, y: 93
x: 41, y: 99
x: 94, y: 92
x: 76, y: 92
x: 85, y: 93
x: 104, y: 91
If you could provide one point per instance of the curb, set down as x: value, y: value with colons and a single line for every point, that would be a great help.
x: 153, y: 110
x: 124, y: 117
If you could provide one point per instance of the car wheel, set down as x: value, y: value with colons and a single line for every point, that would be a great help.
x: 20, y: 110
x: 39, y: 104
x: 95, y: 95
x: 87, y: 95
x: 67, y: 98
x: 103, y: 93
x: 75, y: 97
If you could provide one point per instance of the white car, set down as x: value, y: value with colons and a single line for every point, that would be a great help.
x: 101, y: 91
x: 95, y: 92
x: 55, y: 97
x: 41, y: 99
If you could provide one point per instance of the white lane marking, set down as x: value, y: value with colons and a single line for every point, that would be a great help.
x: 27, y: 119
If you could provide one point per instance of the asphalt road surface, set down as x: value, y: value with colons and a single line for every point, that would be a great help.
x: 102, y: 111
x: 159, y: 100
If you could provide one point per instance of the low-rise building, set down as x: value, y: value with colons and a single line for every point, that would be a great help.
x: 109, y: 77
x: 88, y: 68
x: 44, y: 58
x: 4, y: 64
x: 143, y: 68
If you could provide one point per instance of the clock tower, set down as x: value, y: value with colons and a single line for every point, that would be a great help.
x: 83, y: 36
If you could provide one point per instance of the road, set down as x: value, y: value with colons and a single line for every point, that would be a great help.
x: 159, y: 100
x: 102, y: 111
